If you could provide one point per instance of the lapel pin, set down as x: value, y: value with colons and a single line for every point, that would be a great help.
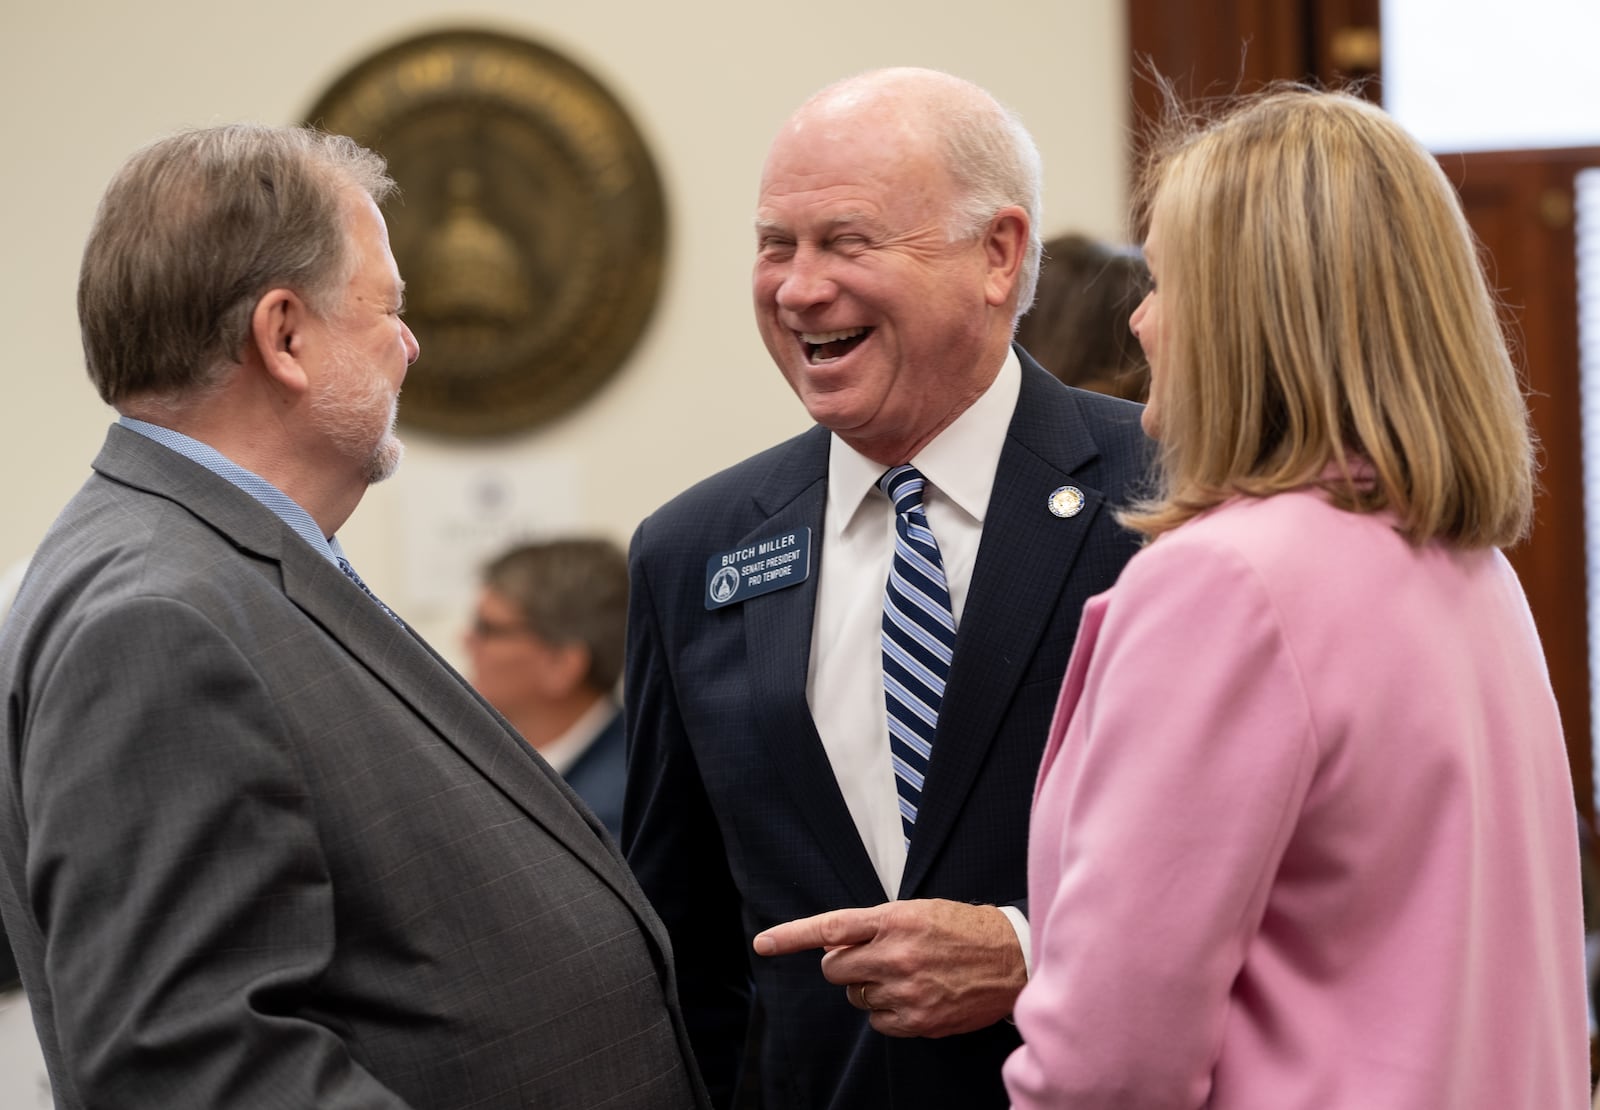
x: 1067, y: 501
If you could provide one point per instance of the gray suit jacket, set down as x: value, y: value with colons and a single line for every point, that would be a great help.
x: 260, y: 847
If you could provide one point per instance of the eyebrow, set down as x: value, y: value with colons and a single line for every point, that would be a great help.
x: 832, y: 223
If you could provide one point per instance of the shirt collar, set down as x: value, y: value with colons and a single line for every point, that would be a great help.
x: 282, y: 505
x: 960, y: 462
x: 562, y: 752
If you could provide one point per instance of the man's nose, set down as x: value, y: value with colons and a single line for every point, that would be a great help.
x: 807, y: 281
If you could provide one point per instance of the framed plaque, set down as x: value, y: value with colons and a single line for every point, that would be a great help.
x: 529, y: 226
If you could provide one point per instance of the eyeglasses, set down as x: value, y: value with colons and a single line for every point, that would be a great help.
x: 486, y: 629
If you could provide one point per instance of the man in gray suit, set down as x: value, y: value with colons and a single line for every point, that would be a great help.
x: 259, y: 845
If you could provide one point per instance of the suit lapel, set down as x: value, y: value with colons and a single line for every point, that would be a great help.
x: 1094, y: 612
x: 778, y: 648
x: 390, y: 651
x: 1023, y: 563
x: 416, y: 675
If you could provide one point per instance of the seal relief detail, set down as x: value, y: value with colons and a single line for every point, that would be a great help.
x: 530, y: 223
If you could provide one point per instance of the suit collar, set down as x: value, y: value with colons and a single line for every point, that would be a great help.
x: 286, y: 508
x: 1026, y: 556
x: 777, y: 629
x: 1049, y: 422
x: 135, y: 460
x: 960, y: 462
x: 795, y: 466
x: 1024, y: 560
x: 565, y: 750
x: 403, y: 662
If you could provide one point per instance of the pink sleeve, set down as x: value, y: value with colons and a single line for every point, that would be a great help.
x: 1156, y: 833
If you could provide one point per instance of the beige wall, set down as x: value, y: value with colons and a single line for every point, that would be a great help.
x: 707, y: 81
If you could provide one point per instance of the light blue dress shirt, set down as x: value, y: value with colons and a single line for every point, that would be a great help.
x: 281, y: 504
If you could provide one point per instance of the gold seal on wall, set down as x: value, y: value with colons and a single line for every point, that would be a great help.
x: 530, y: 225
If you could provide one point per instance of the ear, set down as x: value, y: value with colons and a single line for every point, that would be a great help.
x: 1004, y: 244
x: 278, y: 337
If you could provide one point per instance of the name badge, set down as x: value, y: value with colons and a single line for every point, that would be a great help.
x: 758, y: 568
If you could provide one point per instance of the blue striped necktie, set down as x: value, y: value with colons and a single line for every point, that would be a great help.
x: 919, y: 635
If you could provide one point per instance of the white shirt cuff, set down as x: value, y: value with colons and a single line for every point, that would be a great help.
x: 1024, y: 935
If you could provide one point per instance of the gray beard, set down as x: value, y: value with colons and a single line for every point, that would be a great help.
x: 345, y: 417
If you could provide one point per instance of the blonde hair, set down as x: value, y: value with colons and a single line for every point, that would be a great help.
x: 1326, y: 323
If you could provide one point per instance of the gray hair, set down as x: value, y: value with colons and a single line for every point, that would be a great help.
x: 190, y: 234
x: 996, y: 164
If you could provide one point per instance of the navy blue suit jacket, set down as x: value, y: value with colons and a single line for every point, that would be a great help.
x: 599, y: 775
x: 734, y: 821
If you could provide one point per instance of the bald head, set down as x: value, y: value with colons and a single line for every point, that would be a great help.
x: 895, y: 249
x: 988, y: 154
x: 905, y: 92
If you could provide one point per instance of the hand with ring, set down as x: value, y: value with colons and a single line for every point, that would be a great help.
x: 936, y: 967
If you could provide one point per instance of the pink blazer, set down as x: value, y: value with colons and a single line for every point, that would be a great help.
x: 1304, y: 834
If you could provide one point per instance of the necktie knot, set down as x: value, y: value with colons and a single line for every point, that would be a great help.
x: 903, y: 486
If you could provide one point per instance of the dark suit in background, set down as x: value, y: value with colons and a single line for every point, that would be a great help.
x: 600, y: 774
x: 545, y: 648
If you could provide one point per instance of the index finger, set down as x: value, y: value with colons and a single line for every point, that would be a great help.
x: 824, y: 930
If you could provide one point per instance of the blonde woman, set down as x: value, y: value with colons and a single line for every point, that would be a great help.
x: 1303, y: 835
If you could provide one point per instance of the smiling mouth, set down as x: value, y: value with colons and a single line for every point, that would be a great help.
x: 826, y: 346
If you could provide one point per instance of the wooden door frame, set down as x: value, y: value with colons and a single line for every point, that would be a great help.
x: 1515, y: 201
x: 1521, y: 205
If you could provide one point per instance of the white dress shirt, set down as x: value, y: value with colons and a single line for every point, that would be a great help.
x: 845, y: 682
